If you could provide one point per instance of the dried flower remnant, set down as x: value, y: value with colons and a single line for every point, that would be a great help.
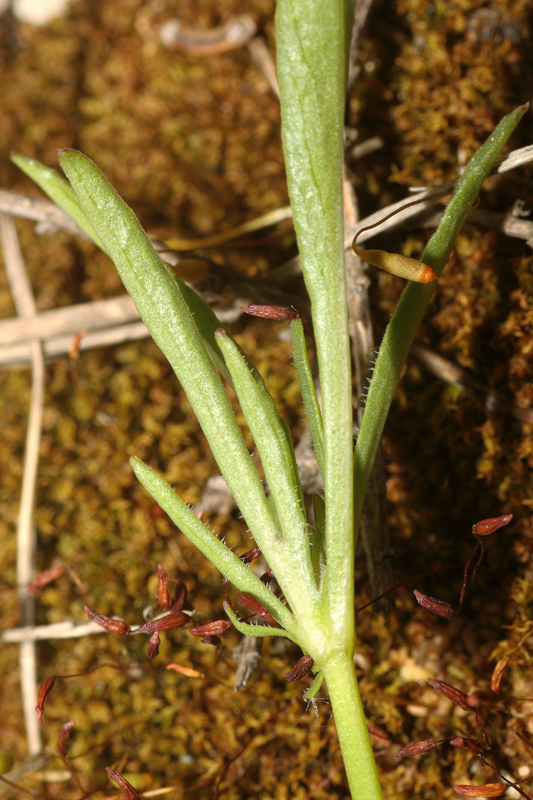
x: 488, y: 526
x: 279, y: 313
x: 44, y: 578
x: 42, y: 696
x: 416, y: 748
x: 211, y: 628
x: 252, y: 554
x: 267, y: 577
x: 461, y: 699
x: 438, y: 607
x: 378, y: 734
x: 471, y: 745
x: 300, y: 669
x: 502, y: 663
x: 497, y: 674
x: 164, y: 598
x: 482, y: 790
x: 215, y: 641
x: 167, y: 623
x: 180, y: 598
x: 109, y: 624
x: 254, y: 605
x: 153, y: 646
x: 64, y: 738
x: 123, y: 784
x: 479, y: 530
x: 455, y: 695
x: 271, y: 312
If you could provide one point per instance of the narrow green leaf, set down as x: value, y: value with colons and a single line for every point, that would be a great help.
x: 275, y: 450
x: 414, y: 301
x: 256, y: 630
x: 59, y: 190
x: 206, y: 321
x: 315, y: 687
x: 160, y: 302
x: 238, y: 573
x: 307, y: 387
x: 479, y: 168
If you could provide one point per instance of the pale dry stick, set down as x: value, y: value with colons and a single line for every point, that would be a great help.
x: 19, y: 355
x: 516, y: 158
x: 427, y: 197
x: 29, y: 765
x: 70, y: 320
x: 264, y: 62
x: 509, y: 223
x: 107, y: 322
x: 457, y: 376
x: 363, y: 149
x: 26, y: 539
x: 49, y: 216
x: 57, y: 630
x: 232, y: 35
x: 362, y: 10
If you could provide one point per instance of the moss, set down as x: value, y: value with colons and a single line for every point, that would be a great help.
x: 193, y: 145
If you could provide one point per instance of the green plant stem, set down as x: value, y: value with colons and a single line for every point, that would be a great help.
x: 312, y: 48
x: 413, y: 303
x: 361, y: 770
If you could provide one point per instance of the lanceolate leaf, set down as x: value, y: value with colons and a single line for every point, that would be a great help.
x: 216, y: 551
x: 159, y: 298
x: 414, y: 301
x: 275, y: 450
